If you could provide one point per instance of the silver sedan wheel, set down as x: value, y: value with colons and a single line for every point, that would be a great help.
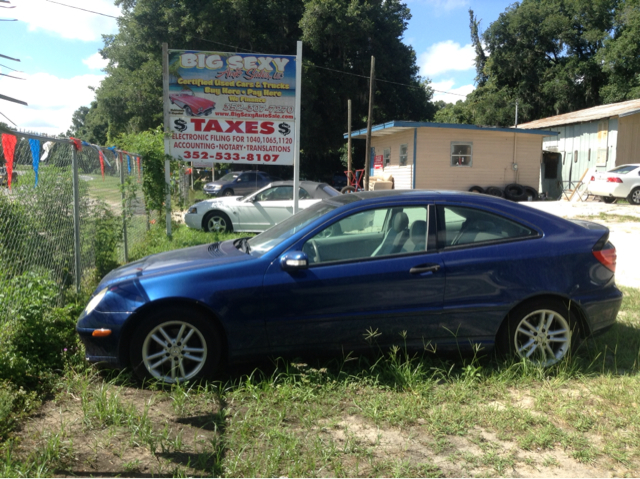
x: 543, y: 337
x: 217, y: 224
x: 174, y: 351
x: 634, y: 197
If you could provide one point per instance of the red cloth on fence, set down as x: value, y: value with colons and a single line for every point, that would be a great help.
x: 101, y: 163
x: 77, y: 143
x: 9, y: 148
x: 138, y: 166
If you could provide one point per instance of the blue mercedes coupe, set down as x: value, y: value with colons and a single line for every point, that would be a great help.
x: 446, y: 269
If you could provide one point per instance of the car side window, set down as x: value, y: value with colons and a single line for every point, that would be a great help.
x: 371, y: 233
x: 458, y: 225
x: 277, y: 193
x: 303, y: 195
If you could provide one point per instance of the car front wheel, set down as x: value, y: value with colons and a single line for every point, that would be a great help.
x: 217, y: 222
x: 227, y: 192
x: 608, y: 199
x: 634, y: 196
x: 542, y: 332
x: 175, y: 345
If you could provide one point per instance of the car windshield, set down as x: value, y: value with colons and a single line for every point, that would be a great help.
x: 277, y: 234
x: 229, y: 177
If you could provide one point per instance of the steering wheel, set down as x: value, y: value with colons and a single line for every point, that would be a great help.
x: 311, y: 248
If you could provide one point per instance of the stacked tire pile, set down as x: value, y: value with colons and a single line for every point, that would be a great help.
x: 513, y: 192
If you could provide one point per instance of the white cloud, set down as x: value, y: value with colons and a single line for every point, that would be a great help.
x: 51, y: 100
x: 446, y: 56
x: 68, y: 22
x: 454, y: 94
x: 444, y: 5
x: 96, y: 62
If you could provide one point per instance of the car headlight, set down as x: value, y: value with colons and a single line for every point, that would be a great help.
x: 95, y: 301
x: 192, y: 211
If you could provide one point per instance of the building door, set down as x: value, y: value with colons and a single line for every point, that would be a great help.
x: 551, y: 174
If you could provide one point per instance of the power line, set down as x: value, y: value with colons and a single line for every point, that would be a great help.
x: 83, y: 9
x: 307, y: 64
x: 8, y: 119
x: 12, y: 69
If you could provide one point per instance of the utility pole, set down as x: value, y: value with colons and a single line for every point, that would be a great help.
x: 349, y: 141
x: 367, y: 160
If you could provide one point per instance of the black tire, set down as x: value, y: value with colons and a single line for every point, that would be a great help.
x: 530, y: 192
x: 524, y: 332
x: 609, y: 199
x: 514, y: 192
x: 494, y: 191
x: 476, y: 189
x: 227, y: 192
x: 156, y: 350
x: 348, y: 189
x: 217, y: 222
x: 188, y: 111
x: 634, y: 197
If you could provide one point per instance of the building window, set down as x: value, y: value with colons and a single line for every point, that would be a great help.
x: 387, y: 156
x: 461, y: 153
x: 403, y: 154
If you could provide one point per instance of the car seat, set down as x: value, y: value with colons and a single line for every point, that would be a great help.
x: 417, y: 237
x: 395, y: 237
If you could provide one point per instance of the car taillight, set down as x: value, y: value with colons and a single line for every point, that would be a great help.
x: 593, y: 178
x: 606, y: 255
x: 614, y: 179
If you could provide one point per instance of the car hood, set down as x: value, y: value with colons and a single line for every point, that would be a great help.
x: 219, y: 202
x: 195, y: 257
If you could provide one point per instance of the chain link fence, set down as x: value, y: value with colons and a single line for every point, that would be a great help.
x: 69, y: 211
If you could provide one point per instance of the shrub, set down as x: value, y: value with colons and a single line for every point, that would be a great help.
x: 34, y: 336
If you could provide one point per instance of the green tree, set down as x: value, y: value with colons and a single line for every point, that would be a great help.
x: 337, y: 34
x: 543, y: 54
x: 621, y: 58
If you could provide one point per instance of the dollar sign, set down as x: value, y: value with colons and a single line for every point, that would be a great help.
x: 284, y: 129
x: 180, y: 124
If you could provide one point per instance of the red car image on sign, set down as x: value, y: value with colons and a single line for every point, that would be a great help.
x: 191, y: 104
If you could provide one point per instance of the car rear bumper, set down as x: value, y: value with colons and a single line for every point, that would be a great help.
x: 615, y: 190
x: 601, y: 312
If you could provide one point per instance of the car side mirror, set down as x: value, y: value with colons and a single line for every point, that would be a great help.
x: 294, y: 261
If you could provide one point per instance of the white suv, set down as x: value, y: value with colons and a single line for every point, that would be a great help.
x: 621, y: 182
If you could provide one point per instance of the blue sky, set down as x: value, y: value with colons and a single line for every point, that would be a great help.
x: 58, y: 48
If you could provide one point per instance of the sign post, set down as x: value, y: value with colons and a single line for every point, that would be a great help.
x: 296, y: 161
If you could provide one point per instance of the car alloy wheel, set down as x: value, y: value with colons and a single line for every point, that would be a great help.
x: 543, y: 337
x: 217, y: 222
x: 174, y: 351
x: 634, y: 197
x: 175, y: 345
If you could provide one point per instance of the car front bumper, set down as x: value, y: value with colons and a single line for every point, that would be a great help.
x: 193, y: 220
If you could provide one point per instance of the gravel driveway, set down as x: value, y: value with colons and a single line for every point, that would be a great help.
x: 622, y: 220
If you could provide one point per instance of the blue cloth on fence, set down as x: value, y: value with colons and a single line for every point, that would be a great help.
x: 129, y: 163
x: 35, y: 153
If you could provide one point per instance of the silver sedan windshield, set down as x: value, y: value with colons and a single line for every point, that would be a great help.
x: 277, y: 234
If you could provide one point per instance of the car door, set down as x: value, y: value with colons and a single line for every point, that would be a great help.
x: 488, y: 258
x: 372, y: 274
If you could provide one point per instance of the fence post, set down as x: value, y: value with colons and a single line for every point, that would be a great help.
x: 124, y: 208
x: 76, y: 217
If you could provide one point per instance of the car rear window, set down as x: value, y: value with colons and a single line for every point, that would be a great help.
x: 623, y: 170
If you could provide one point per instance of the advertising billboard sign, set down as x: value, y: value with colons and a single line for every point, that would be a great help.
x: 232, y: 107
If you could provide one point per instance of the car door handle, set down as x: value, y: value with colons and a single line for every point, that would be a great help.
x: 424, y: 268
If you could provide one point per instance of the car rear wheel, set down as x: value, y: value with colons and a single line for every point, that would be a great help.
x: 175, y: 345
x: 217, y: 222
x: 543, y: 332
x: 634, y: 196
